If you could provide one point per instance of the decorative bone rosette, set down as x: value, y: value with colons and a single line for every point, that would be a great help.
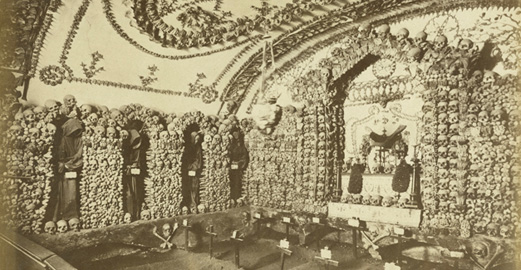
x: 101, y: 184
x: 26, y: 182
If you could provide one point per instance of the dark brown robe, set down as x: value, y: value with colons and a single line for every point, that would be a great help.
x: 239, y: 157
x: 70, y: 150
x: 130, y: 183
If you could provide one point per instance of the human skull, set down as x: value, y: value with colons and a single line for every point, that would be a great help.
x: 69, y: 101
x: 40, y: 112
x: 420, y: 38
x: 146, y: 215
x: 479, y: 249
x: 74, y: 224
x: 366, y: 199
x: 167, y: 230
x: 124, y: 134
x: 29, y: 116
x: 414, y: 55
x: 493, y: 229
x: 364, y: 30
x: 453, y: 106
x: 93, y: 119
x: 383, y: 31
x: 489, y: 77
x: 454, y: 118
x: 184, y: 211
x: 443, y: 129
x: 440, y: 42
x: 479, y: 227
x: 127, y: 218
x: 62, y: 226
x: 85, y: 110
x: 453, y: 129
x: 442, y: 106
x: 443, y: 140
x: 357, y: 199
x: 111, y: 132
x: 376, y: 200
x: 505, y: 231
x: 465, y: 45
x: 99, y: 131
x: 34, y: 133
x: 50, y: 227
x: 387, y: 201
x: 483, y: 117
x: 201, y: 208
x: 402, y: 34
x: 443, y: 117
x: 403, y: 202
x: 52, y: 106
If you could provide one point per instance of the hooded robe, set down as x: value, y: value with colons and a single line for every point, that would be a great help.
x: 69, y: 155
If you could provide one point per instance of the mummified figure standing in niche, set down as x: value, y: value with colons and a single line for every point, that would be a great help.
x: 239, y: 161
x: 133, y: 178
x: 192, y: 168
x: 70, y: 160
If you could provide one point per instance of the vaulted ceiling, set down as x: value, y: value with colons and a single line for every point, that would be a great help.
x: 178, y: 55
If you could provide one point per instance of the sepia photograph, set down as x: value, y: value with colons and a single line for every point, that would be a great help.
x: 260, y: 134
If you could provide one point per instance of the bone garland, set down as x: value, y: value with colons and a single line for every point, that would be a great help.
x: 101, y: 184
x: 25, y: 186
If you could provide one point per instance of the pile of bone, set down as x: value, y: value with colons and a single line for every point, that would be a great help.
x: 494, y: 173
x: 26, y: 151
x: 300, y: 189
x: 163, y: 184
x: 445, y: 201
x: 255, y: 170
x: 215, y: 187
x: 101, y: 184
x: 309, y: 156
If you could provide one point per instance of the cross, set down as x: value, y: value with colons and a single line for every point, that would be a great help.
x: 210, y: 232
x: 236, y: 239
x: 325, y: 258
x: 186, y: 228
x: 284, y: 251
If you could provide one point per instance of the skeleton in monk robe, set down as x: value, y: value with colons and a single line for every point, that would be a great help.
x: 69, y: 157
x: 133, y: 177
x: 239, y: 161
x: 193, y: 164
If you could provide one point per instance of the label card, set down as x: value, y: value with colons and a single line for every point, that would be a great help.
x: 135, y: 171
x: 71, y: 175
x: 353, y: 222
x: 325, y: 254
x: 284, y: 244
x: 257, y: 215
x: 286, y: 220
x: 185, y: 222
x: 235, y: 166
x: 316, y: 220
x: 399, y: 231
x: 191, y: 173
x: 234, y: 234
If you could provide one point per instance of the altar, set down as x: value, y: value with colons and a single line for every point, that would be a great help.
x: 376, y: 184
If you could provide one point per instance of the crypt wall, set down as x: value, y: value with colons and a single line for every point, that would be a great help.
x: 298, y: 147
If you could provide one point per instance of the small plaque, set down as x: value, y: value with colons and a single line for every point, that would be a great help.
x: 325, y: 254
x: 284, y: 244
x: 457, y: 254
x: 191, y: 173
x: 234, y: 234
x: 286, y: 220
x: 71, y: 175
x: 353, y: 222
x: 316, y: 220
x: 399, y: 231
x: 135, y: 171
x: 257, y: 215
x: 185, y: 222
x: 235, y: 166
